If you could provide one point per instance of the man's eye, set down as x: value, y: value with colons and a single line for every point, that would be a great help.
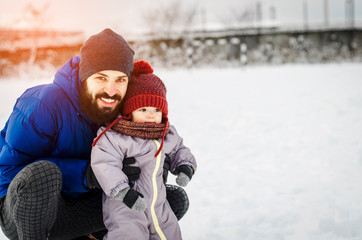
x: 122, y: 80
x: 100, y: 78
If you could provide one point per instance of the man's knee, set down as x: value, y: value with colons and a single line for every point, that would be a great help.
x: 178, y: 200
x: 30, y: 206
x: 38, y: 177
x: 43, y: 170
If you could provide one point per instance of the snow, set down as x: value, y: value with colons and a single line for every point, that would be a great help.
x: 279, y: 149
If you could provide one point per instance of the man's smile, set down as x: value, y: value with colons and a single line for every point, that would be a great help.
x: 108, y: 102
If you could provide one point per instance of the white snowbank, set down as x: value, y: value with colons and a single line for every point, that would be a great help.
x: 279, y: 149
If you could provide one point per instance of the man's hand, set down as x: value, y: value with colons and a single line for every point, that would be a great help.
x: 166, y: 168
x: 92, y: 182
x: 132, y: 172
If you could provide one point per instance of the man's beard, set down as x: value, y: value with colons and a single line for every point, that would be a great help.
x: 89, y: 107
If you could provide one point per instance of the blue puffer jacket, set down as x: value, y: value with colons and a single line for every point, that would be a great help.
x: 47, y: 124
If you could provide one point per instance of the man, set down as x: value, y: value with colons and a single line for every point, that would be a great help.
x: 47, y: 188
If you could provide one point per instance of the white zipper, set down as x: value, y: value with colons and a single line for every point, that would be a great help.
x: 155, y: 193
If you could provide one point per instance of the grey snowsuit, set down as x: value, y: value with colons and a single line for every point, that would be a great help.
x: 158, y: 221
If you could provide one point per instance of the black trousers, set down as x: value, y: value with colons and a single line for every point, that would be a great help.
x: 34, y: 208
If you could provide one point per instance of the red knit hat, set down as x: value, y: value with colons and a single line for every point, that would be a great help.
x: 144, y: 90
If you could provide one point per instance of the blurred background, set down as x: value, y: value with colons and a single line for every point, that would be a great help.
x: 266, y: 93
x: 185, y: 33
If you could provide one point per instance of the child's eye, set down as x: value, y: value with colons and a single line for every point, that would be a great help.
x: 142, y: 110
x: 157, y: 110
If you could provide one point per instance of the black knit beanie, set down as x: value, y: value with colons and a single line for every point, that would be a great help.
x: 106, y: 50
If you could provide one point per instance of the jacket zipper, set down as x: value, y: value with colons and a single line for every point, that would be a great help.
x: 155, y: 193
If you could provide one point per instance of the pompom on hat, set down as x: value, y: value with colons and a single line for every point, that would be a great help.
x: 106, y: 50
x: 144, y: 90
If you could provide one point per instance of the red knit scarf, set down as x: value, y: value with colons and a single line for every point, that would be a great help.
x: 141, y: 130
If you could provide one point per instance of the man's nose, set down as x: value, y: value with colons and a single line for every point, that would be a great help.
x: 111, y: 89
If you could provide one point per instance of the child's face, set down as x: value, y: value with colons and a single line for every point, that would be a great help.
x: 147, y: 115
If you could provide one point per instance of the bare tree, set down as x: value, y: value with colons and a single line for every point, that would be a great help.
x: 240, y: 16
x: 350, y: 11
x: 170, y: 19
x: 305, y: 14
x: 35, y: 19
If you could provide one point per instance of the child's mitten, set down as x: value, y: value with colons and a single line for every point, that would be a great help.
x: 132, y: 199
x: 185, y: 173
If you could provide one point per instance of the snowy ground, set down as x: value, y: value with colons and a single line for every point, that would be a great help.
x: 279, y: 149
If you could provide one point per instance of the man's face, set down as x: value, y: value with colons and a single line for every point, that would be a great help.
x: 101, y: 95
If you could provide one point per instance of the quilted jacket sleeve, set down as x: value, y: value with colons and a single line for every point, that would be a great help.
x: 180, y: 155
x: 29, y: 136
x: 106, y: 162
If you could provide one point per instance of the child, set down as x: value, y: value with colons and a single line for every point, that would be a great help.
x: 143, y: 132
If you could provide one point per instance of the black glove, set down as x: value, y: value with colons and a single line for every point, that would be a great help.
x: 166, y: 168
x: 132, y: 172
x: 133, y: 199
x: 185, y: 173
x: 91, y: 180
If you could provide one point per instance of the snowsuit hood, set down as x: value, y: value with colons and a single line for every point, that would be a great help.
x: 67, y: 78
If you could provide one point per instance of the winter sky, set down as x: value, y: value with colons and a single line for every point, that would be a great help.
x: 92, y: 16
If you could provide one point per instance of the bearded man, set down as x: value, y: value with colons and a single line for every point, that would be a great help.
x: 47, y: 188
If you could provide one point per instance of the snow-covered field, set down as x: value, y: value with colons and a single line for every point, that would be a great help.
x: 279, y: 149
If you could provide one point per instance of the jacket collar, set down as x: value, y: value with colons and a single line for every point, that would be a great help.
x: 67, y: 78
